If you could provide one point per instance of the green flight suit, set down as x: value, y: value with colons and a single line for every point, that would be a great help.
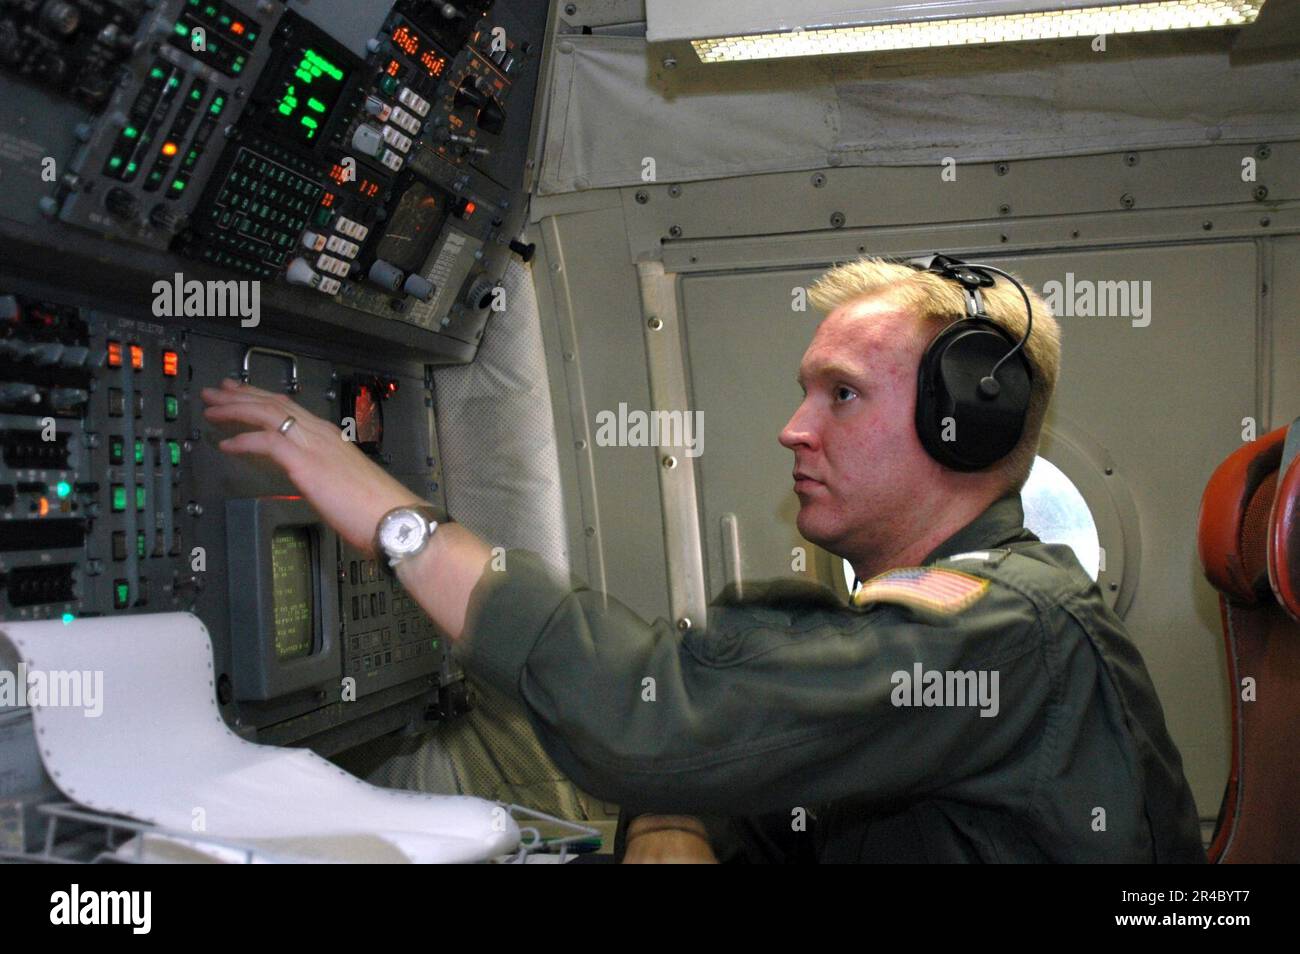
x: 786, y: 713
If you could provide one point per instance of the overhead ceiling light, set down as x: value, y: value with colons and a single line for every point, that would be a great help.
x: 743, y: 31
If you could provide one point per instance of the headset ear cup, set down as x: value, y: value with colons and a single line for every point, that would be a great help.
x: 957, y: 426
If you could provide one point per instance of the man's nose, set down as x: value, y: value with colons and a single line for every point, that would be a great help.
x: 798, y: 431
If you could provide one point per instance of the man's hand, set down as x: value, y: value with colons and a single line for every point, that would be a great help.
x: 668, y: 839
x: 349, y: 490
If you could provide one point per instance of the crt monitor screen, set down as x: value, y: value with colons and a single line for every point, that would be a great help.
x: 293, y: 592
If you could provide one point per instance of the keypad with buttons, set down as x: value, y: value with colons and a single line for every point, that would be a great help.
x: 388, y: 639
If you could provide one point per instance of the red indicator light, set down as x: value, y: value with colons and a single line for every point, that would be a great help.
x: 392, y: 386
x: 171, y: 363
x: 406, y: 41
x: 169, y: 149
x: 433, y: 64
x: 115, y: 354
x: 327, y: 200
x: 237, y: 28
x: 137, y: 357
x: 45, y: 506
x: 393, y: 68
x: 469, y: 209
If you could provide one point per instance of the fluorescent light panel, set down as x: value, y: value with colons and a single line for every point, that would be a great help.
x: 1038, y: 25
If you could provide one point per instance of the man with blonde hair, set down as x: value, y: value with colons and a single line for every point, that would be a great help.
x: 978, y: 701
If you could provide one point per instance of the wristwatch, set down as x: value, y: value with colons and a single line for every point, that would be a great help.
x: 405, y: 531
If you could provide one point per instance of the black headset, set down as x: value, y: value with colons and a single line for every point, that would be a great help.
x: 970, y: 409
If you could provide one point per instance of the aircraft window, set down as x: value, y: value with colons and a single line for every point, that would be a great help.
x: 1054, y: 510
x: 1057, y: 513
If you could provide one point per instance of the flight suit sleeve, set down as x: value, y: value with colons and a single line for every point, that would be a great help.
x: 770, y: 706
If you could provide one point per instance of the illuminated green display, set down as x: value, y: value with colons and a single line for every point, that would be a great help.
x: 307, y: 94
x: 292, y: 604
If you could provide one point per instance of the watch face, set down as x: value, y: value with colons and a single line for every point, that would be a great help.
x: 403, y: 533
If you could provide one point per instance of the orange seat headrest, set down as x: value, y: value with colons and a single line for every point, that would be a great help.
x: 1234, y: 539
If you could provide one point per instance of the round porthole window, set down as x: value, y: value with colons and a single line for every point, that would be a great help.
x: 1057, y: 513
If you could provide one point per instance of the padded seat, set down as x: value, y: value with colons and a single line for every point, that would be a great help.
x: 1249, y: 545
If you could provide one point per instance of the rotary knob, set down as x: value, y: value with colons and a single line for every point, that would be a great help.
x: 61, y: 17
x: 479, y: 296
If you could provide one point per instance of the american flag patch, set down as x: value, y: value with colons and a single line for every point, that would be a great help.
x: 941, y: 591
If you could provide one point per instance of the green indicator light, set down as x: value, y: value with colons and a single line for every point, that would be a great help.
x: 119, y: 497
x: 130, y: 132
x: 196, y: 94
x: 115, y: 162
x: 63, y: 488
x: 178, y: 185
x: 223, y: 20
x: 310, y: 124
x: 175, y: 449
x: 171, y: 408
x: 217, y: 105
x: 123, y: 591
x: 68, y: 618
x: 156, y: 73
x: 139, y: 544
x: 323, y: 65
x: 139, y: 497
x: 182, y: 30
x: 209, y: 11
x: 173, y: 82
x: 139, y: 451
x: 131, y: 167
x: 237, y: 67
x: 316, y: 104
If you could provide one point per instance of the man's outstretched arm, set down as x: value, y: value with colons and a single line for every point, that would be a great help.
x: 350, y: 492
x: 765, y: 709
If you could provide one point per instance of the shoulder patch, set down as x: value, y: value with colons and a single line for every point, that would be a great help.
x: 936, y: 590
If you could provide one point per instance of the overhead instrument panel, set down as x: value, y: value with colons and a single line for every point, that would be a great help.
x: 270, y: 183
x: 266, y: 141
x: 143, y: 163
x: 73, y: 48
